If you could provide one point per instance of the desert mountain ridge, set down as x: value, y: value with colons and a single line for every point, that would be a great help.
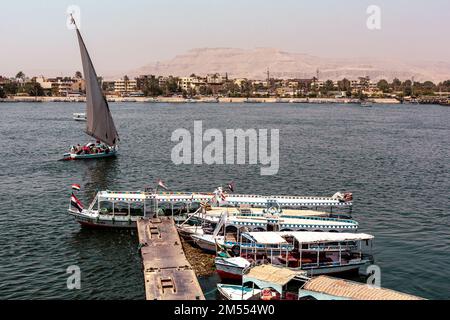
x: 254, y: 63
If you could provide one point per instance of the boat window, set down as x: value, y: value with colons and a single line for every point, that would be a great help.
x: 137, y: 208
x: 106, y: 207
x: 258, y: 229
x: 250, y: 284
x: 121, y: 208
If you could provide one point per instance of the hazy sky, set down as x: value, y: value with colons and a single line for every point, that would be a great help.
x: 123, y: 35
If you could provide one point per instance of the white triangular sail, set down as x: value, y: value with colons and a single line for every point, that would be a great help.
x: 100, y: 124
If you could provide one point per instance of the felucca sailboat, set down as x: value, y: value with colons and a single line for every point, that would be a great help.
x: 100, y: 124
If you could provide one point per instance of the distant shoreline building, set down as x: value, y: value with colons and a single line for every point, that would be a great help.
x: 217, y: 85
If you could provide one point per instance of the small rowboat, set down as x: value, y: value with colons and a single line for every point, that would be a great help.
x: 79, y: 117
x: 231, y: 268
x: 237, y: 292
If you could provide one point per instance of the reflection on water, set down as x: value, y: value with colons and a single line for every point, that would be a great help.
x: 99, y: 175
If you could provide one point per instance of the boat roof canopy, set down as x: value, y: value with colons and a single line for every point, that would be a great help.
x: 268, y: 276
x: 317, y: 237
x: 294, y: 201
x: 265, y: 237
x: 305, y: 237
x: 251, y: 201
x: 139, y: 196
x: 354, y: 290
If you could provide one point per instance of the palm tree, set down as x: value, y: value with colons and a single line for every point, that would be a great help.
x: 20, y: 75
x: 126, y: 81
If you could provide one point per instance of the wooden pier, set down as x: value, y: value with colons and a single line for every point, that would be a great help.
x: 167, y: 273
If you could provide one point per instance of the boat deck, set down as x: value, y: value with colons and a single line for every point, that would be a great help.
x: 167, y: 273
x: 230, y: 199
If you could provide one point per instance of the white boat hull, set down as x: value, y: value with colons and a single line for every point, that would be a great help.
x: 234, y: 272
x: 104, y: 221
x: 237, y: 292
x: 80, y: 117
x: 230, y: 268
x: 186, y: 232
x: 205, y: 242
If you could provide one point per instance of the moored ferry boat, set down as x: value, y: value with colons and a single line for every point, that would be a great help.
x: 234, y: 226
x: 228, y: 228
x: 122, y: 209
x: 266, y: 282
x: 316, y: 253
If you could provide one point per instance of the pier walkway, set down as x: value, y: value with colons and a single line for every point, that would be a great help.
x: 167, y: 273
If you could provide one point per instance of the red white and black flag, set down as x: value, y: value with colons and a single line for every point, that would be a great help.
x: 231, y: 186
x: 74, y: 202
x: 76, y: 187
x: 162, y: 185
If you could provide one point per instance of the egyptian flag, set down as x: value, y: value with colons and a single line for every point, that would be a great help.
x: 76, y: 187
x: 231, y: 186
x: 76, y: 203
x: 162, y: 185
x: 221, y: 196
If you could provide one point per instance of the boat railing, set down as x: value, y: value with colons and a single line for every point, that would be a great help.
x: 320, y: 219
x: 91, y: 206
x: 331, y: 248
x: 313, y: 265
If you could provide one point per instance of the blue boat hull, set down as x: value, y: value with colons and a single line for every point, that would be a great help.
x: 72, y: 156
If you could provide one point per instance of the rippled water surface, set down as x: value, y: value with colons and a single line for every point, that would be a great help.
x: 395, y: 159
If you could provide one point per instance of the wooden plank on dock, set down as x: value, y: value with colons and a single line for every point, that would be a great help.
x: 167, y: 273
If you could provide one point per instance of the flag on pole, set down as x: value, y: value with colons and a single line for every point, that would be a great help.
x: 76, y: 187
x: 76, y: 203
x: 162, y: 185
x: 231, y: 186
x: 220, y: 194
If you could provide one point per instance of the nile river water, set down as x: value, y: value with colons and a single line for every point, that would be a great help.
x: 394, y: 158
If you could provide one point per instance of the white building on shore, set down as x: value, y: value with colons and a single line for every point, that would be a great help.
x: 124, y: 86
